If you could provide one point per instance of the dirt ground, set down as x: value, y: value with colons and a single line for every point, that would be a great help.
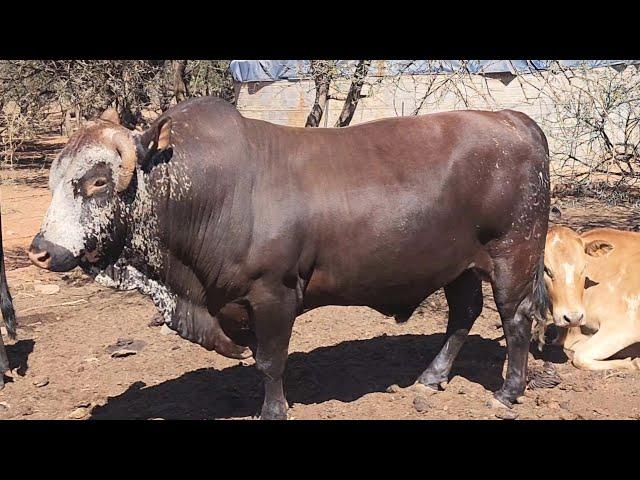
x: 345, y: 363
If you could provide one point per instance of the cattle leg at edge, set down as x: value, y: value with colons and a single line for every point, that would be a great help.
x: 8, y: 313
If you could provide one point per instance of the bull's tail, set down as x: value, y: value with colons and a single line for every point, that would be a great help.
x: 540, y: 295
x: 541, y: 305
x: 6, y: 302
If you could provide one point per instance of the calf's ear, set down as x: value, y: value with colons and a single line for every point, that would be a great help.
x: 598, y: 248
x: 156, y: 139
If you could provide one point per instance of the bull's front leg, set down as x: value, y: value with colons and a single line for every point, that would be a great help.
x: 273, y: 312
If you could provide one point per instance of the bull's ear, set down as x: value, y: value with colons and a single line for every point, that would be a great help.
x: 111, y: 115
x: 598, y: 248
x: 156, y: 139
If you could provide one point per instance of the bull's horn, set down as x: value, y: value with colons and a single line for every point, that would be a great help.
x: 127, y: 151
x: 111, y: 115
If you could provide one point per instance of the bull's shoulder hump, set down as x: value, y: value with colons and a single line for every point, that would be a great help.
x: 199, y: 105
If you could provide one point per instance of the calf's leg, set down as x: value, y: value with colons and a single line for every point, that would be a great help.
x: 464, y: 296
x: 569, y: 337
x: 592, y: 354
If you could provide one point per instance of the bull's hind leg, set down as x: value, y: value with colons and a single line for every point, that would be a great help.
x: 512, y: 284
x: 464, y: 296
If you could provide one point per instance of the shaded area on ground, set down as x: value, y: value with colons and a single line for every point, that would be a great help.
x: 345, y: 372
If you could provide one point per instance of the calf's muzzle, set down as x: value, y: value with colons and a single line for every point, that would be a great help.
x: 569, y: 319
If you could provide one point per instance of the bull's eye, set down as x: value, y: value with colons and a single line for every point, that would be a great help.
x: 96, y: 186
x: 547, y: 270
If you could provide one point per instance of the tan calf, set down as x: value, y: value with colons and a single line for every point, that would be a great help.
x: 593, y: 281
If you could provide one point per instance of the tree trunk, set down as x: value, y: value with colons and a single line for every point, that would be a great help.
x: 67, y: 127
x: 354, y: 95
x: 322, y: 76
x: 179, y: 84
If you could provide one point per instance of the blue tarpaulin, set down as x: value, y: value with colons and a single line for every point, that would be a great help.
x: 272, y: 70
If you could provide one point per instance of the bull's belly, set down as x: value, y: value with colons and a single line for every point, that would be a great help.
x: 389, y: 300
x: 393, y: 289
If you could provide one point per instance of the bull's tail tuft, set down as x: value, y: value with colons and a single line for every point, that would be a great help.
x: 541, y: 305
x: 540, y: 295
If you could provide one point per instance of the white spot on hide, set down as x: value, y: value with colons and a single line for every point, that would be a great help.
x: 569, y: 270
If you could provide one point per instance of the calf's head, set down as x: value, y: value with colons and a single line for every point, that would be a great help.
x: 88, y: 181
x: 565, y: 263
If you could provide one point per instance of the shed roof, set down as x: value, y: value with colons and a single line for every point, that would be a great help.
x: 271, y: 70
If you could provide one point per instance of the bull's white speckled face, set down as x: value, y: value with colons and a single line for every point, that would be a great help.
x: 85, y: 220
x: 79, y: 221
x: 80, y: 206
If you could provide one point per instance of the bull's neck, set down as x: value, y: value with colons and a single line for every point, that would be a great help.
x: 185, y: 226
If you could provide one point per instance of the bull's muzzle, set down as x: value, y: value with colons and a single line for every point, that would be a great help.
x: 50, y: 256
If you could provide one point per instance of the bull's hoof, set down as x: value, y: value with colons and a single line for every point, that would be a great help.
x: 431, y: 386
x: 500, y: 401
x: 433, y: 382
x: 273, y: 414
x: 274, y: 411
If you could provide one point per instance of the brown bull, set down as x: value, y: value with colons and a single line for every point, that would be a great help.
x: 228, y: 211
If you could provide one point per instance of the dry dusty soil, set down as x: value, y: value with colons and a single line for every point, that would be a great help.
x: 345, y: 363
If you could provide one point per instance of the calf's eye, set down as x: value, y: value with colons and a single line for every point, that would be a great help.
x: 548, y: 272
x: 100, y: 182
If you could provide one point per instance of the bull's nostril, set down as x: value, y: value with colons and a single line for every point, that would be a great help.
x: 40, y: 258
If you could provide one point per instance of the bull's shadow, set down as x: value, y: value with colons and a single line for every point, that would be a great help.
x: 344, y: 372
x: 18, y: 355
